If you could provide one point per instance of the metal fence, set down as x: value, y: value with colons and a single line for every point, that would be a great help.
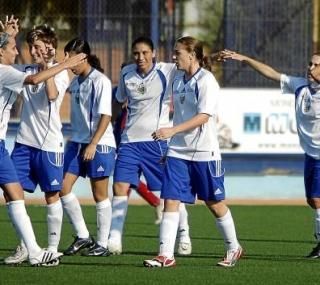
x: 109, y: 26
x: 278, y: 32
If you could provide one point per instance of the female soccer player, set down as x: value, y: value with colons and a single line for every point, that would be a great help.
x: 307, y: 98
x: 91, y: 149
x: 193, y: 164
x: 11, y: 83
x: 143, y: 85
x: 38, y: 151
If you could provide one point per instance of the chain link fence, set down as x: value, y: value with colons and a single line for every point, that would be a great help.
x: 279, y: 32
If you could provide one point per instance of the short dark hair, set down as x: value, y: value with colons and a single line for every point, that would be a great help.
x: 144, y: 40
x: 43, y: 33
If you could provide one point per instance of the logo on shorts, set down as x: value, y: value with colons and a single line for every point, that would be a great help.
x: 100, y: 169
x: 217, y: 192
x: 54, y: 182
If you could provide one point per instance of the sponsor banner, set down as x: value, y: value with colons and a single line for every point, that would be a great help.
x: 257, y: 121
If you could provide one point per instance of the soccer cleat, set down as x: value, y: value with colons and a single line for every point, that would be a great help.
x: 96, y: 250
x: 52, y: 263
x: 44, y: 258
x: 114, y: 247
x: 231, y: 257
x: 160, y: 261
x: 184, y: 248
x: 78, y: 244
x: 20, y: 255
x: 159, y: 214
x: 315, y: 253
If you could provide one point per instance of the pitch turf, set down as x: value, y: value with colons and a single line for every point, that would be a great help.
x: 275, y: 239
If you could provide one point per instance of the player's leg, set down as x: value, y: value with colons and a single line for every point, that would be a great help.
x: 99, y: 169
x: 176, y: 187
x: 21, y: 157
x: 312, y: 191
x: 73, y: 168
x: 211, y: 190
x: 152, y: 200
x: 126, y: 173
x: 48, y: 169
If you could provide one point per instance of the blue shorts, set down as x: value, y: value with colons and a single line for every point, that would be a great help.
x: 312, y: 177
x: 101, y: 166
x: 186, y: 180
x: 35, y: 166
x: 8, y: 172
x: 141, y: 157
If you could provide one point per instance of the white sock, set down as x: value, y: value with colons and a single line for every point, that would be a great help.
x: 317, y: 224
x: 104, y: 213
x: 54, y: 221
x: 227, y: 229
x: 72, y: 207
x: 168, y: 233
x: 10, y: 217
x: 22, y: 223
x: 119, y: 213
x: 183, y: 224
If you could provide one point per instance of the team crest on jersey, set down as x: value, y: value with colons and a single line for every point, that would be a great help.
x: 141, y: 88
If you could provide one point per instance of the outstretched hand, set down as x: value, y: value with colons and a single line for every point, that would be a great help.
x: 10, y: 26
x: 229, y: 54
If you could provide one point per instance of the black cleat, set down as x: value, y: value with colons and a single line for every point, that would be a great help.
x: 96, y: 250
x: 78, y: 244
x: 315, y: 253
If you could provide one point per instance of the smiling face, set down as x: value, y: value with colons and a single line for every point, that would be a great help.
x: 143, y: 56
x: 36, y: 50
x: 9, y: 52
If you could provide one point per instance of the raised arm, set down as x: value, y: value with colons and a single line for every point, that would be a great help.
x: 46, y: 74
x: 262, y: 68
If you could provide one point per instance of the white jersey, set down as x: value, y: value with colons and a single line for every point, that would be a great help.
x: 198, y: 95
x: 307, y: 112
x: 91, y: 97
x: 40, y: 124
x: 147, y: 98
x: 11, y: 83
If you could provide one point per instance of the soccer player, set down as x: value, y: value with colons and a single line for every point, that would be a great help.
x: 91, y: 149
x: 193, y: 163
x: 143, y: 85
x: 12, y: 82
x: 38, y: 151
x: 307, y: 106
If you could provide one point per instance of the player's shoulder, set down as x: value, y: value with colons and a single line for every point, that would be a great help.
x: 129, y: 68
x: 96, y: 76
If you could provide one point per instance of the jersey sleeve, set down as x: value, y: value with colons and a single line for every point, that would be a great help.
x: 12, y: 78
x: 208, y: 95
x: 289, y: 84
x: 104, y: 96
x: 121, y: 95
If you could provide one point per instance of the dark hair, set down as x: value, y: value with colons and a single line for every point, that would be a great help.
x: 193, y: 45
x: 78, y: 45
x: 43, y: 33
x: 144, y: 40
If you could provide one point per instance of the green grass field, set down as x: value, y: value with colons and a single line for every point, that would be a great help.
x: 275, y: 239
